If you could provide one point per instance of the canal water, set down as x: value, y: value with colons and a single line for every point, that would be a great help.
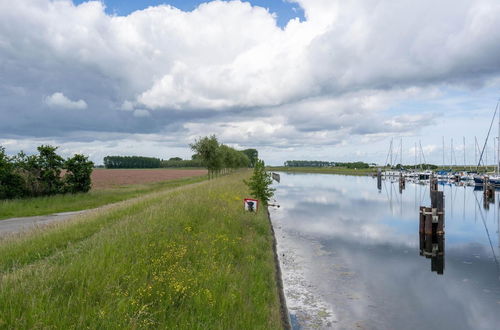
x: 350, y: 255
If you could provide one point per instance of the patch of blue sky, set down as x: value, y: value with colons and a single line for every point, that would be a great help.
x: 284, y: 9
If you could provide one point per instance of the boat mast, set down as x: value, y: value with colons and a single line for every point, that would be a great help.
x: 464, y: 154
x: 401, y: 153
x: 451, y: 153
x: 415, y: 155
x: 498, y: 147
x: 443, y: 152
x: 475, y: 152
x: 392, y: 139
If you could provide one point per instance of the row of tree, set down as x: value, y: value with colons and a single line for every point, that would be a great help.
x: 318, y: 163
x: 131, y: 162
x: 42, y: 174
x: 219, y: 158
x: 172, y: 163
x: 308, y: 163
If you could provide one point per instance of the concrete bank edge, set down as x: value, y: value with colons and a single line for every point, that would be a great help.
x: 285, y: 315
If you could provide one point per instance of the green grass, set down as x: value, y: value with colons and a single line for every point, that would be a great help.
x: 189, y: 258
x: 75, y: 202
x: 325, y: 170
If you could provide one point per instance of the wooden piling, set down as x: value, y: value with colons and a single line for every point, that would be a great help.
x: 379, y: 179
x: 433, y: 183
x: 437, y: 204
x: 428, y: 221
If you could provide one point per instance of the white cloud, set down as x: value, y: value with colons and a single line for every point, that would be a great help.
x: 141, y: 113
x: 127, y: 106
x: 230, y: 54
x: 227, y: 68
x: 59, y: 100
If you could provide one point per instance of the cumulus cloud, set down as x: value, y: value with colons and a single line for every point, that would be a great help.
x: 141, y: 113
x: 226, y: 66
x: 59, y: 100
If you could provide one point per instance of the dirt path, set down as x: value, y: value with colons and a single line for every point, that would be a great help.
x: 16, y: 225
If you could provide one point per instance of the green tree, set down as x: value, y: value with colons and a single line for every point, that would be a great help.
x: 50, y: 165
x: 11, y: 183
x: 260, y: 183
x: 77, y: 179
x: 253, y: 156
x: 208, y: 149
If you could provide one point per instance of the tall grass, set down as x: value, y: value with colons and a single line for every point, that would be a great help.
x: 82, y: 201
x: 190, y: 258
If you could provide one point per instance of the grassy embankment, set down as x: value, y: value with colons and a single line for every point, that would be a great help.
x: 189, y: 258
x: 325, y: 170
x: 74, y: 202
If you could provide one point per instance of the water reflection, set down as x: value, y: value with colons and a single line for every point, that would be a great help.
x: 353, y: 255
x: 432, y: 247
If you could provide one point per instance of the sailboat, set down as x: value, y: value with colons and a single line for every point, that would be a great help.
x: 495, y: 178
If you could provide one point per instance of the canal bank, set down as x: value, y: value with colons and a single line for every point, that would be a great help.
x: 285, y: 314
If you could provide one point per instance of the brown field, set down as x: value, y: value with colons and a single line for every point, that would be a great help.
x: 106, y: 178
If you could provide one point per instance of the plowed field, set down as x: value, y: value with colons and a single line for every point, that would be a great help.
x: 106, y: 178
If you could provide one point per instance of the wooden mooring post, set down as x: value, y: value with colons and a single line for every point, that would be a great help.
x: 379, y: 179
x: 431, y: 228
x: 437, y: 205
x: 433, y: 183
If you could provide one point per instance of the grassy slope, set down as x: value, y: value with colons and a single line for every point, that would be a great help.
x: 325, y: 170
x: 75, y: 202
x: 190, y: 258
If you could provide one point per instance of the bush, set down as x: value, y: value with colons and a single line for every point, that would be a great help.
x: 11, y: 183
x: 260, y: 183
x: 40, y: 175
x: 77, y: 178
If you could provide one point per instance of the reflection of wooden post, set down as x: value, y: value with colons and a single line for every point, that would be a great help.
x: 422, y: 241
x: 428, y: 246
x: 402, y: 183
x: 488, y: 192
x: 440, y: 255
x: 421, y: 227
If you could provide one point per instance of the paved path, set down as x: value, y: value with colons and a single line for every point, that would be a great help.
x: 16, y: 225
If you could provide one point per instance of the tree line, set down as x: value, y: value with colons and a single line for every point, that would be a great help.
x: 219, y: 158
x: 318, y: 163
x: 40, y: 175
x: 131, y: 162
x: 181, y: 163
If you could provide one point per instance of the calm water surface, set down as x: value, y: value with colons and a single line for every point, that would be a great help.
x: 350, y: 256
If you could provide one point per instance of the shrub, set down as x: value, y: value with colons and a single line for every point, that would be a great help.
x: 39, y: 175
x: 260, y: 183
x: 77, y: 178
x: 11, y: 183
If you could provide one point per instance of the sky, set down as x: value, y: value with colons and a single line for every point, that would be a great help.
x: 325, y: 80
